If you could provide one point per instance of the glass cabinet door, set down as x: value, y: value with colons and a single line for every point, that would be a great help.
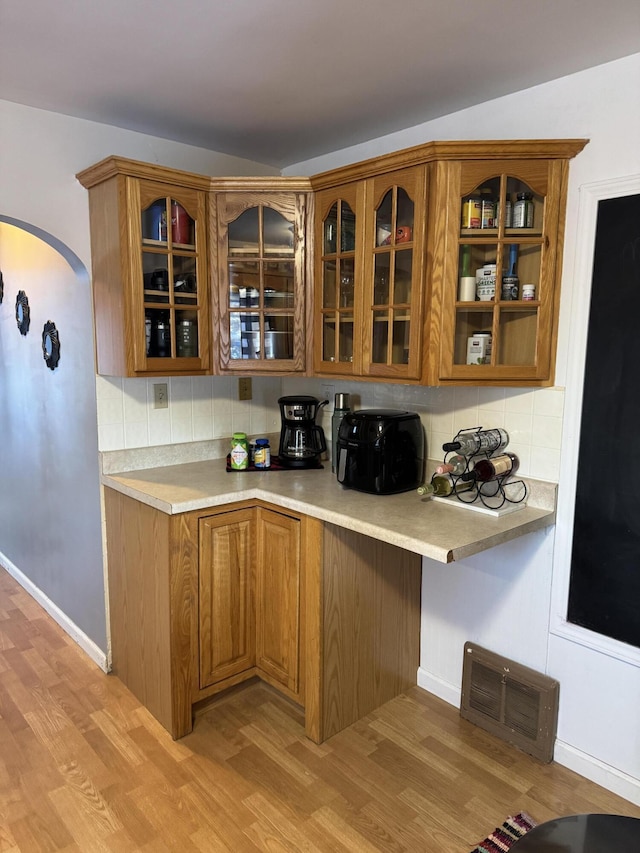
x: 260, y: 281
x: 393, y: 292
x: 172, y: 285
x: 503, y: 277
x: 338, y: 283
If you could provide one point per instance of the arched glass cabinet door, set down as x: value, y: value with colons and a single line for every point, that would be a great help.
x: 338, y: 291
x: 393, y: 307
x: 338, y: 283
x: 504, y: 277
x: 173, y: 281
x: 260, y: 269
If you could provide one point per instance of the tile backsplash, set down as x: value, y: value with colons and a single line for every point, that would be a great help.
x: 202, y: 408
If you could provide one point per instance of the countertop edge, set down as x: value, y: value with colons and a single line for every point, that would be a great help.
x: 505, y: 529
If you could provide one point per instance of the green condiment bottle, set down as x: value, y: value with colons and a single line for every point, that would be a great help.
x: 239, y: 452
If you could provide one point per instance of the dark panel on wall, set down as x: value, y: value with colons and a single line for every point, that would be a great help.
x: 604, y: 592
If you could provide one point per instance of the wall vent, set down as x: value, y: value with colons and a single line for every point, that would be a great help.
x: 513, y: 702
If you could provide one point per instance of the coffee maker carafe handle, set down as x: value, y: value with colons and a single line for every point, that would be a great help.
x: 321, y: 441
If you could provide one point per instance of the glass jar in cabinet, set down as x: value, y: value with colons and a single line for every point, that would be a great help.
x: 149, y: 261
x: 260, y: 281
x: 520, y: 248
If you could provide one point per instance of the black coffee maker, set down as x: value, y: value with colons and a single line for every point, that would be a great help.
x: 302, y: 441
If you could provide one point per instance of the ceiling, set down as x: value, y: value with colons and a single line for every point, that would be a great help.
x: 281, y: 81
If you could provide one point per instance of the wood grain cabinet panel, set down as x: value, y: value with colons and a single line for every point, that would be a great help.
x: 226, y: 595
x: 371, y: 625
x: 278, y: 595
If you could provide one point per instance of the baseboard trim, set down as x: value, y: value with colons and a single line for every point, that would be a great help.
x: 442, y: 689
x: 87, y: 645
x: 568, y: 756
x: 597, y: 771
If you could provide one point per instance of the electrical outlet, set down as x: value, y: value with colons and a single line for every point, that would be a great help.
x: 160, y: 395
x: 244, y: 388
x: 328, y: 393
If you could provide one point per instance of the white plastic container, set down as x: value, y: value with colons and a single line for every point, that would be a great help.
x: 486, y: 283
x: 479, y: 348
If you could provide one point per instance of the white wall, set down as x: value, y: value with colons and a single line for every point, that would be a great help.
x: 514, y: 585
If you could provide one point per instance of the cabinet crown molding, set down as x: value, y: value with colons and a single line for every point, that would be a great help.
x: 112, y: 166
x: 489, y: 149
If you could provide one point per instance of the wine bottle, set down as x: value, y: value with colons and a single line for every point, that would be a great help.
x: 487, y: 440
x: 442, y: 486
x: 455, y: 465
x: 496, y: 468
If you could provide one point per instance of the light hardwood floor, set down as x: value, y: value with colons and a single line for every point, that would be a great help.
x: 83, y: 767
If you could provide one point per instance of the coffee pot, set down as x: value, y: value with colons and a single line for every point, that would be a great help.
x: 302, y: 441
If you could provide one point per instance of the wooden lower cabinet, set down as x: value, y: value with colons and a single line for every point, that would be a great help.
x: 278, y: 617
x: 249, y: 598
x: 202, y: 601
x: 226, y: 596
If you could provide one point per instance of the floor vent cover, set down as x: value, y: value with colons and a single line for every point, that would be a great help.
x: 509, y: 700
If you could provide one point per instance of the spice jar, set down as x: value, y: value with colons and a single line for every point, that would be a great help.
x: 472, y: 212
x: 523, y: 211
x: 262, y: 454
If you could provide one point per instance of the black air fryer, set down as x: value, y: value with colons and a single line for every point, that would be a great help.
x: 381, y: 451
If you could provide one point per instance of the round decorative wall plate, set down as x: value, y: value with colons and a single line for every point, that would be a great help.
x: 50, y: 345
x: 23, y: 312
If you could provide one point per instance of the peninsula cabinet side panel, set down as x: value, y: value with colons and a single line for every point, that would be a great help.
x: 371, y: 631
x: 139, y: 601
x: 311, y: 646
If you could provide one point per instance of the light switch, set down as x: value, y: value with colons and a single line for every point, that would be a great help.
x: 244, y: 388
x: 160, y: 395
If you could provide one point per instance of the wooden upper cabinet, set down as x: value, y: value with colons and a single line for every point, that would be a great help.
x: 369, y: 275
x: 415, y: 260
x: 496, y: 263
x: 260, y: 275
x: 149, y: 252
x: 428, y: 220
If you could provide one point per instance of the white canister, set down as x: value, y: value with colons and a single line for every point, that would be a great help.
x: 467, y: 292
x: 479, y: 348
x: 486, y: 283
x: 528, y: 292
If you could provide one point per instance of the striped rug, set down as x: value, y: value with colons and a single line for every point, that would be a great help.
x: 504, y: 836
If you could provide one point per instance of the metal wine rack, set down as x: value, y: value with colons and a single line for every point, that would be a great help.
x: 499, y: 491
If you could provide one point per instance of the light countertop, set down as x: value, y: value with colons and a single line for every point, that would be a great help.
x: 427, y: 527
